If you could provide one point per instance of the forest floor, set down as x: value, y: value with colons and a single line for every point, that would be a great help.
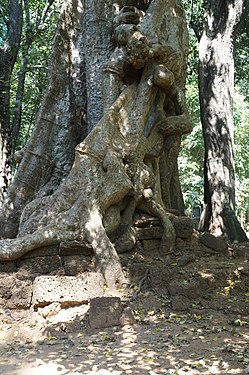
x: 211, y: 336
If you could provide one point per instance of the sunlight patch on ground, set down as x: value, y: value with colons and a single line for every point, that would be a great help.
x: 42, y: 368
x: 103, y: 372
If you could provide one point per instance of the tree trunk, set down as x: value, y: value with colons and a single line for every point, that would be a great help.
x: 17, y: 113
x: 32, y: 30
x: 116, y: 168
x: 8, y: 55
x: 60, y: 125
x: 30, y: 33
x: 216, y: 83
x: 99, y: 46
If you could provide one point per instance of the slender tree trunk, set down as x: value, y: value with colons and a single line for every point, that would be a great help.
x: 17, y: 115
x: 8, y: 55
x: 216, y: 80
x: 30, y: 34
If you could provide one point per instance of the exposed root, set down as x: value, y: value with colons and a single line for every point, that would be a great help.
x: 11, y: 249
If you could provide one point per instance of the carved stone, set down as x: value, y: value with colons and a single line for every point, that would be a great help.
x: 105, y: 312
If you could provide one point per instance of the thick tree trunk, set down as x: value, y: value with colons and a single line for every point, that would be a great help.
x: 170, y: 183
x: 98, y: 30
x: 116, y: 168
x: 60, y: 123
x: 8, y: 55
x: 216, y: 80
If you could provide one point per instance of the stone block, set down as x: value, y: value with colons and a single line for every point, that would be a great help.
x: 68, y: 290
x: 74, y: 264
x: 144, y: 220
x: 40, y: 265
x: 149, y: 232
x: 8, y: 267
x: 42, y: 252
x: 6, y: 284
x: 190, y: 289
x: 215, y: 243
x: 183, y: 227
x: 75, y: 248
x: 105, y: 312
x: 15, y: 293
x: 21, y: 295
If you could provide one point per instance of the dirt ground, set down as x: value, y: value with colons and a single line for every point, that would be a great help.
x: 191, y: 316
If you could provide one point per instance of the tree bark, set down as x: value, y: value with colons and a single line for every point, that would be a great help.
x: 98, y: 30
x: 116, y: 168
x: 216, y: 83
x: 8, y: 54
x: 60, y: 124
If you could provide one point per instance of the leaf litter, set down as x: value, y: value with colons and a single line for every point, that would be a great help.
x: 210, y: 337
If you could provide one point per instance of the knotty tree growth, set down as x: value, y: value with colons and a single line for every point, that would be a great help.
x: 118, y: 69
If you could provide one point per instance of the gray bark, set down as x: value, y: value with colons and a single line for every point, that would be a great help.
x: 60, y: 124
x: 116, y: 168
x: 8, y: 53
x: 216, y: 98
x: 98, y: 30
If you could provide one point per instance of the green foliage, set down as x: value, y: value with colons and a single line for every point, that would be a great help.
x: 192, y: 148
x: 192, y: 152
x: 41, y: 30
x: 194, y: 14
x: 3, y: 21
x: 241, y: 123
x: 242, y: 54
x: 241, y: 117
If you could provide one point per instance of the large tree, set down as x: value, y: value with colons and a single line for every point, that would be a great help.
x: 216, y: 84
x: 118, y: 70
